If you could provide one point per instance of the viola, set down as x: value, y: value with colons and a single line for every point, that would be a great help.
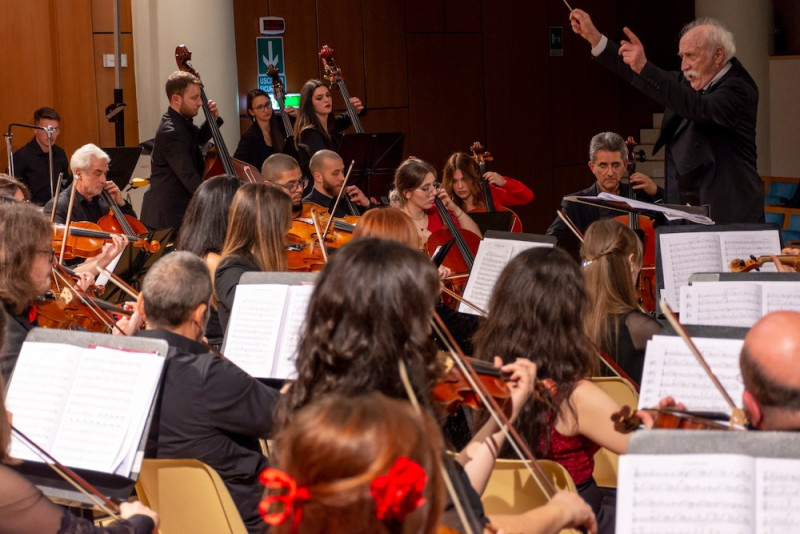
x: 627, y: 420
x: 334, y: 75
x: 117, y: 222
x: 756, y: 262
x: 86, y: 239
x: 218, y: 160
x: 340, y: 229
x: 481, y: 156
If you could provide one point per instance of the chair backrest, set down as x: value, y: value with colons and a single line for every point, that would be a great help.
x: 189, y: 496
x: 605, y: 461
x: 511, y: 490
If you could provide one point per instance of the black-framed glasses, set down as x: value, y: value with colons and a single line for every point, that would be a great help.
x: 291, y: 186
x: 262, y: 107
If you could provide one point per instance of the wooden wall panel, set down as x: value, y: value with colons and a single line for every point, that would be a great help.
x: 385, y: 55
x: 103, y: 16
x: 425, y: 15
x: 462, y: 15
x: 340, y: 27
x: 301, y: 40
x: 107, y: 81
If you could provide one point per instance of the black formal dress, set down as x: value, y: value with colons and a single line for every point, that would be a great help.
x: 628, y: 340
x: 226, y: 278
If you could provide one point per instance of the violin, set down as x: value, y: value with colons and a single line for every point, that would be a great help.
x: 218, y: 160
x: 756, y: 262
x: 333, y: 74
x: 627, y: 420
x: 452, y: 390
x: 481, y: 156
x: 117, y: 222
x: 86, y: 239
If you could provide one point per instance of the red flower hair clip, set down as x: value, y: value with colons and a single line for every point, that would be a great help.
x: 399, y: 492
x: 291, y: 499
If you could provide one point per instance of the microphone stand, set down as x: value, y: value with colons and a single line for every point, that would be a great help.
x: 49, y: 130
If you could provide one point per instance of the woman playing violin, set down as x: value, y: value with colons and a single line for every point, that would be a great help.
x: 316, y: 127
x: 536, y: 311
x: 265, y: 136
x: 415, y: 183
x: 612, y: 258
x: 258, y: 224
x: 461, y: 178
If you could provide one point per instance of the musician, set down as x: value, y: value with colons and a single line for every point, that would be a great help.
x: 10, y: 187
x: 341, y: 447
x: 316, y: 127
x: 710, y: 122
x: 259, y: 221
x: 353, y: 342
x: 328, y: 171
x: 89, y: 165
x: 461, y: 178
x: 203, y: 234
x: 608, y: 160
x: 177, y: 161
x: 416, y: 186
x: 284, y: 171
x: 537, y: 310
x: 266, y: 135
x: 611, y: 256
x: 32, y: 161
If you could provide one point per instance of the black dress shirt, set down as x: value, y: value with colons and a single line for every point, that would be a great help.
x: 83, y: 209
x: 17, y: 327
x: 32, y: 167
x: 226, y: 278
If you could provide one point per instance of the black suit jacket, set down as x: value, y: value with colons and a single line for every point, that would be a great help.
x: 709, y: 138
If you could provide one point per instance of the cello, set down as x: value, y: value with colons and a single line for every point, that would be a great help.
x: 481, y: 156
x: 333, y: 74
x: 219, y: 160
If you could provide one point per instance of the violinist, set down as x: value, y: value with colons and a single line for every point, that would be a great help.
x: 608, y: 160
x: 258, y: 224
x: 537, y: 310
x: 316, y: 127
x: 209, y: 409
x: 177, y: 161
x: 10, y: 187
x: 354, y: 338
x: 328, y: 171
x: 461, y: 178
x: 416, y: 186
x: 612, y: 258
x: 265, y: 135
x: 284, y: 171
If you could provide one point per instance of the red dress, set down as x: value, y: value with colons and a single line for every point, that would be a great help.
x: 575, y: 453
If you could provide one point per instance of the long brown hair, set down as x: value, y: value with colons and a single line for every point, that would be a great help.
x: 388, y: 223
x: 258, y: 222
x: 337, y: 446
x: 471, y: 173
x: 307, y: 118
x: 536, y: 311
x: 25, y: 231
x: 606, y: 248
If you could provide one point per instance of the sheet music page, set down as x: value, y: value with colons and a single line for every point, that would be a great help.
x: 254, y: 327
x: 780, y: 296
x: 493, y: 255
x: 741, y: 245
x: 38, y: 392
x: 669, y: 213
x: 670, y: 493
x: 777, y: 495
x: 294, y: 320
x: 722, y: 303
x: 682, y: 255
x: 671, y: 369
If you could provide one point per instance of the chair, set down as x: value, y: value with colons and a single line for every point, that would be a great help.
x: 189, y: 496
x: 511, y: 490
x: 605, y: 461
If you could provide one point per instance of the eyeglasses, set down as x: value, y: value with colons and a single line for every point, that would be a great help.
x: 430, y: 189
x: 262, y: 107
x: 50, y: 252
x: 298, y: 184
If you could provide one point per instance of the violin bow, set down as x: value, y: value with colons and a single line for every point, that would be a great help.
x: 738, y: 416
x: 459, y: 298
x: 119, y: 282
x: 320, y: 235
x: 571, y: 225
x: 74, y: 479
x: 67, y: 224
x: 88, y: 302
x: 516, y: 442
x: 55, y: 198
x: 338, y: 198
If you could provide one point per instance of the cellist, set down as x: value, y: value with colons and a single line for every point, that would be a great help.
x: 461, y: 178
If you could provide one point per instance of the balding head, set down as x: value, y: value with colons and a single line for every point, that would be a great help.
x: 770, y: 364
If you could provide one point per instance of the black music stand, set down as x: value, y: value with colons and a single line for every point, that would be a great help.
x: 123, y: 162
x: 376, y: 156
x: 499, y: 221
x: 134, y: 264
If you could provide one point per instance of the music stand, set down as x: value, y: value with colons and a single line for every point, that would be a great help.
x: 134, y: 263
x: 376, y: 156
x: 123, y: 162
x: 499, y: 221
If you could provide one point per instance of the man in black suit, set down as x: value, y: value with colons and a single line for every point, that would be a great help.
x: 177, y: 161
x: 709, y: 124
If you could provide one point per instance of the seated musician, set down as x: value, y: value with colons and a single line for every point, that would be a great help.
x: 416, y: 186
x: 461, y: 178
x: 283, y: 170
x: 327, y: 168
x: 266, y: 135
x: 89, y: 167
x: 353, y: 342
x: 536, y: 311
x: 209, y: 409
x: 608, y: 160
x: 612, y: 258
x: 259, y: 221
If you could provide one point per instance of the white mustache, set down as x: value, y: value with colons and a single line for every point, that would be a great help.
x: 691, y: 74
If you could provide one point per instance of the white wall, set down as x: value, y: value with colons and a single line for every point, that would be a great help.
x: 784, y: 74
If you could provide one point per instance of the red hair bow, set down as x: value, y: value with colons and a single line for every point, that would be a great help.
x: 399, y: 492
x: 291, y: 499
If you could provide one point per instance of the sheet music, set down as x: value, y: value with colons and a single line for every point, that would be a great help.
x: 741, y: 245
x: 682, y: 255
x: 492, y: 257
x: 670, y: 369
x: 686, y: 493
x: 254, y: 326
x: 293, y: 323
x: 669, y: 213
x: 777, y: 495
x: 780, y: 296
x: 722, y: 303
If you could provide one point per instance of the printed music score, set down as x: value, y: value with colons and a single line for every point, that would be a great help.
x: 86, y: 406
x: 736, y: 303
x: 683, y: 254
x: 670, y: 369
x: 731, y: 493
x: 265, y: 326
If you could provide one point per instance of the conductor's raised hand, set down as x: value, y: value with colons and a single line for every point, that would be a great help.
x: 582, y: 25
x: 632, y: 51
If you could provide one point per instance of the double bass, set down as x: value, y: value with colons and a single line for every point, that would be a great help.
x: 218, y: 160
x: 334, y: 75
